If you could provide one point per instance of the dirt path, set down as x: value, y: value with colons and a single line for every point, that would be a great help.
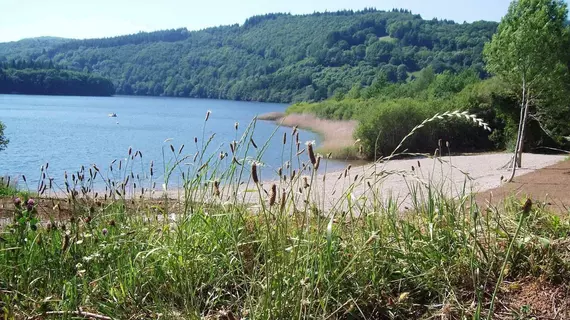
x: 550, y: 185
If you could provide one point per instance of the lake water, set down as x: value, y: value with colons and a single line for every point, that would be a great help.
x: 70, y: 132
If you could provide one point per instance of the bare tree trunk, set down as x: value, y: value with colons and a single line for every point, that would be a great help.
x: 519, y: 133
x: 517, y: 144
x: 523, y: 130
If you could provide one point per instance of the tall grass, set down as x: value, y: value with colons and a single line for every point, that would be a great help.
x: 235, y: 244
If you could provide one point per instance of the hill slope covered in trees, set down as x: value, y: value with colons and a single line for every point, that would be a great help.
x: 275, y: 57
x: 44, y: 78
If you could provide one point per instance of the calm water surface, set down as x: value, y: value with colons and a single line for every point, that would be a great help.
x: 69, y: 132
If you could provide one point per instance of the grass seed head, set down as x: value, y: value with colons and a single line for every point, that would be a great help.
x: 306, y: 182
x: 272, y: 195
x: 318, y: 163
x: 311, y: 153
x: 527, y: 206
x: 217, y: 188
x: 253, y: 143
x: 65, y: 242
x: 283, y: 199
x: 254, y: 175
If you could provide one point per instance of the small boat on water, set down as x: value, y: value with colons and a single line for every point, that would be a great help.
x: 112, y: 115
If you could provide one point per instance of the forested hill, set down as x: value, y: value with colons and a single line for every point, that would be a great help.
x: 45, y: 78
x: 275, y: 57
x: 31, y: 47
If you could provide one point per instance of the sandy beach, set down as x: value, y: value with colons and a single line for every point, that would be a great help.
x: 395, y: 180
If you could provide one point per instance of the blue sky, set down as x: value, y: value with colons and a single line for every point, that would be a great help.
x: 103, y: 18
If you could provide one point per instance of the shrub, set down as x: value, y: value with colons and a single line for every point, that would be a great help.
x: 383, y: 127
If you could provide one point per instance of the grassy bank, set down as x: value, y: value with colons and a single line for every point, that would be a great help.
x: 124, y: 260
x: 209, y: 255
x: 8, y: 188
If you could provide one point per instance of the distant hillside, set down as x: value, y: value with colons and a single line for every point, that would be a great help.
x: 274, y: 57
x: 32, y: 47
x: 24, y: 77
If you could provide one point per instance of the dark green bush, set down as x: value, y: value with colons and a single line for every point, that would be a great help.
x: 383, y: 127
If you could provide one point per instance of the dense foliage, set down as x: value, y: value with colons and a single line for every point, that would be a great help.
x: 43, y: 78
x: 28, y: 47
x: 529, y: 52
x: 275, y: 57
x: 530, y: 57
x: 387, y: 112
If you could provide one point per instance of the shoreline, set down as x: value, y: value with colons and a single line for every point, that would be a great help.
x: 390, y: 181
x: 337, y: 137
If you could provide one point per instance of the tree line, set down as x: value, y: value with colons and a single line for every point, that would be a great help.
x: 25, y: 77
x: 274, y: 57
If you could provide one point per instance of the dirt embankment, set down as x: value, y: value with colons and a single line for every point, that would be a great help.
x: 549, y: 185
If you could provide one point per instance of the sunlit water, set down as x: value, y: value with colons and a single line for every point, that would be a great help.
x: 70, y: 132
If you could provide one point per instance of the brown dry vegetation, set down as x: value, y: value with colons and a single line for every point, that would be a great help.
x: 337, y: 135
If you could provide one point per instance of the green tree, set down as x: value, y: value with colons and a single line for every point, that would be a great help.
x: 527, y: 52
x: 3, y: 140
x: 402, y: 73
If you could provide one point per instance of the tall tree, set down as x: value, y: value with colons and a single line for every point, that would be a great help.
x: 528, y: 53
